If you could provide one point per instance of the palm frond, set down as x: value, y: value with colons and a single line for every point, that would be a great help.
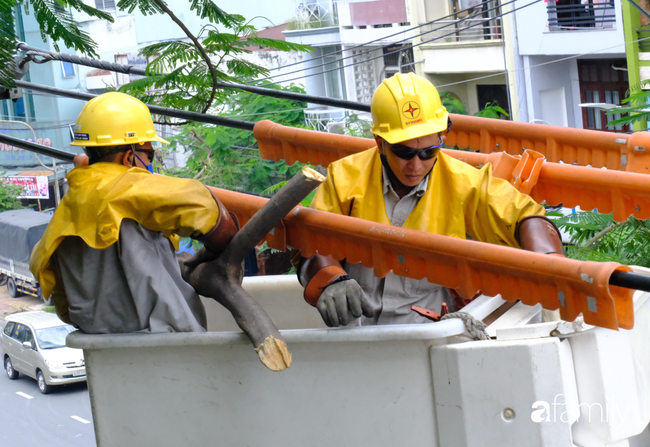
x: 146, y: 7
x: 58, y: 24
x: 80, y: 6
x: 206, y: 9
x: 241, y: 67
x: 589, y: 219
x: 280, y: 45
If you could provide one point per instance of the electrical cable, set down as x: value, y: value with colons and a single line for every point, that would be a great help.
x: 48, y: 56
x: 389, y: 36
x: 575, y: 56
x: 412, y: 45
x: 395, y: 43
x: 157, y: 110
x: 352, y: 105
x: 129, y: 69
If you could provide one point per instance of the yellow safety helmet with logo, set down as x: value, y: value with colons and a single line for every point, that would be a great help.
x: 407, y: 106
x: 114, y: 119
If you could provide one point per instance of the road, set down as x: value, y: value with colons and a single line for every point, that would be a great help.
x: 29, y: 418
x: 9, y: 305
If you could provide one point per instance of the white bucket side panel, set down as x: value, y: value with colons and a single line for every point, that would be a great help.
x: 613, y: 377
x: 485, y: 391
x: 348, y: 392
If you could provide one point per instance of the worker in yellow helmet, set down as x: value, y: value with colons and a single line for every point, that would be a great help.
x: 407, y: 182
x: 108, y: 255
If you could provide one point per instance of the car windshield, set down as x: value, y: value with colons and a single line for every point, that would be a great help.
x: 53, y: 337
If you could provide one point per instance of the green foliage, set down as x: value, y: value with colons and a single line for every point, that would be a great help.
x: 55, y: 22
x: 356, y: 127
x: 179, y: 73
x: 635, y: 105
x: 598, y: 238
x: 492, y: 110
x: 9, y: 197
x: 228, y: 158
x: 452, y: 104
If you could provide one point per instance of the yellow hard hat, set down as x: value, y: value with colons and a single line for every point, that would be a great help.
x: 114, y: 119
x: 407, y: 106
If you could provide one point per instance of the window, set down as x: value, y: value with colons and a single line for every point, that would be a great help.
x: 19, y: 108
x: 68, y: 70
x: 334, y: 80
x: 27, y: 335
x: 22, y: 331
x: 493, y: 93
x: 602, y: 81
x: 9, y: 328
x: 53, y: 337
x: 105, y: 5
x: 396, y: 61
x: 122, y: 78
x: 580, y: 14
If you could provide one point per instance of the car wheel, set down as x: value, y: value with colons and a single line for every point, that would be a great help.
x: 12, y: 288
x: 9, y: 368
x: 44, y: 387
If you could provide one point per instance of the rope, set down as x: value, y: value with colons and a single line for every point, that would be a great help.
x: 476, y: 328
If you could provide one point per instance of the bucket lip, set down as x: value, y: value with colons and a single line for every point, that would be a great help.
x: 401, y: 332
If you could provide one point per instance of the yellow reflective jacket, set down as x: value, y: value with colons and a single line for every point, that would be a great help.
x: 103, y: 194
x: 460, y: 200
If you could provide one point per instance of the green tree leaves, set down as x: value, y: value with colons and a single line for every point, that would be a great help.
x: 190, y: 71
x: 9, y: 197
x: 228, y: 158
x: 596, y: 237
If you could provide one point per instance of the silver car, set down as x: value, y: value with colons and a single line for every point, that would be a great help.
x: 33, y: 343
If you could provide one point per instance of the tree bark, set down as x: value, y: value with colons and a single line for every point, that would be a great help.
x: 220, y: 279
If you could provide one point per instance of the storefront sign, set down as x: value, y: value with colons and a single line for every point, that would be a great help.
x: 34, y: 187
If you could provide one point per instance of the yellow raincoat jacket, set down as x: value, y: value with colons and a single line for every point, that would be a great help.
x: 103, y: 194
x: 460, y: 200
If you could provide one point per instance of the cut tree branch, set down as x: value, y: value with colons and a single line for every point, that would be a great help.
x: 197, y: 44
x: 207, y: 161
x: 602, y: 233
x: 220, y: 278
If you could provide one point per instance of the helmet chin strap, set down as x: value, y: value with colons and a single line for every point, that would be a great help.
x: 397, y: 184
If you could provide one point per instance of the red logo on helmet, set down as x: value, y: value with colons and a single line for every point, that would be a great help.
x: 411, y: 110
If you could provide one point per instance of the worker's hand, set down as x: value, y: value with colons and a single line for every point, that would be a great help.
x: 343, y: 301
x: 202, y: 255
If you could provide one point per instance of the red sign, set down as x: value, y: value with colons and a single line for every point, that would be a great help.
x: 35, y: 187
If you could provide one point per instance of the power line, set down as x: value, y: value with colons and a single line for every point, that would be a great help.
x: 412, y: 45
x: 393, y: 43
x: 575, y: 56
x: 386, y: 37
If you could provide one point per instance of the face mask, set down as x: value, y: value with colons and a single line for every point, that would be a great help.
x: 149, y: 167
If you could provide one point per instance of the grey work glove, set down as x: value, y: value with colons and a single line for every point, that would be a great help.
x: 343, y: 301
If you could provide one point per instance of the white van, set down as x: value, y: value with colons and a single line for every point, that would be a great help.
x: 33, y: 343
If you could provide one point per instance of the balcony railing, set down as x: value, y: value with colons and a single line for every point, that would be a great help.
x: 569, y: 15
x: 473, y: 25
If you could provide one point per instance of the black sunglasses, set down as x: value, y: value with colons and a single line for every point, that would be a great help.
x: 407, y: 153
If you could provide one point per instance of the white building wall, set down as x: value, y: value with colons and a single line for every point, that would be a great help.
x: 552, y: 83
x: 473, y: 57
